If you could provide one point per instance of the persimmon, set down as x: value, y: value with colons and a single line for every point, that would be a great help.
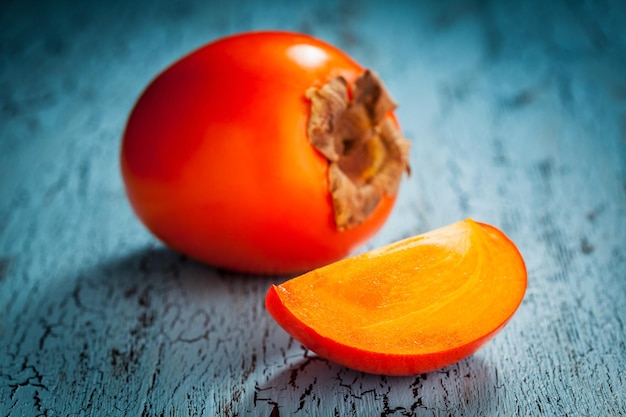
x: 264, y: 152
x: 410, y: 307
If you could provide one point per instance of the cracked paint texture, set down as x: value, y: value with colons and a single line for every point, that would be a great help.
x: 517, y: 116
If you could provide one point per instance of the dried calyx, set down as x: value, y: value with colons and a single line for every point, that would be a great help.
x: 351, y: 127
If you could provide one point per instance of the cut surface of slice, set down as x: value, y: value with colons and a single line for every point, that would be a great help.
x: 410, y: 307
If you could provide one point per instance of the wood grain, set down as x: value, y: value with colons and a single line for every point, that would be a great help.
x: 517, y: 116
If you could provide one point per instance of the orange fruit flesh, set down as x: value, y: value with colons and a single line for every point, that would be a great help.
x: 410, y: 307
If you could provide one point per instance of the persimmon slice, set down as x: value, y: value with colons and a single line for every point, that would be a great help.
x: 410, y: 307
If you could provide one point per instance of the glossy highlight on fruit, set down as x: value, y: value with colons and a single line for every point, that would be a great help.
x: 410, y: 307
x: 264, y: 152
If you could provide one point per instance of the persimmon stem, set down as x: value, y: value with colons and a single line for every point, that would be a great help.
x: 350, y: 125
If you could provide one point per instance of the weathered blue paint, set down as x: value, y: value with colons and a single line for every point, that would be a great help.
x: 517, y: 114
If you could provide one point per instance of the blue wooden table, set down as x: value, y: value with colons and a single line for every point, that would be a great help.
x: 517, y: 116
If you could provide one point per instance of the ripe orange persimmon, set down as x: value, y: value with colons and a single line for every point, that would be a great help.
x: 268, y: 152
x: 410, y: 307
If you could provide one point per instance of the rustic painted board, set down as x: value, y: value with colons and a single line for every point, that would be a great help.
x: 517, y: 115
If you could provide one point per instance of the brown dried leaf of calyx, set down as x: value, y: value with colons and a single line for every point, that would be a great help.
x: 367, y: 155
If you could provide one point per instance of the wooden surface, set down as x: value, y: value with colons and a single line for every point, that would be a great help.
x: 517, y: 115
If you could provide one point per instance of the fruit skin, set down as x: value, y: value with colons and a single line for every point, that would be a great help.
x: 296, y: 319
x: 216, y: 160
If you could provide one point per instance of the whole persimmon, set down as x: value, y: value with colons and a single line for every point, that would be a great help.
x: 264, y: 152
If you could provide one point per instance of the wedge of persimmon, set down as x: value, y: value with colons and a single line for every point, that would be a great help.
x: 410, y: 307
